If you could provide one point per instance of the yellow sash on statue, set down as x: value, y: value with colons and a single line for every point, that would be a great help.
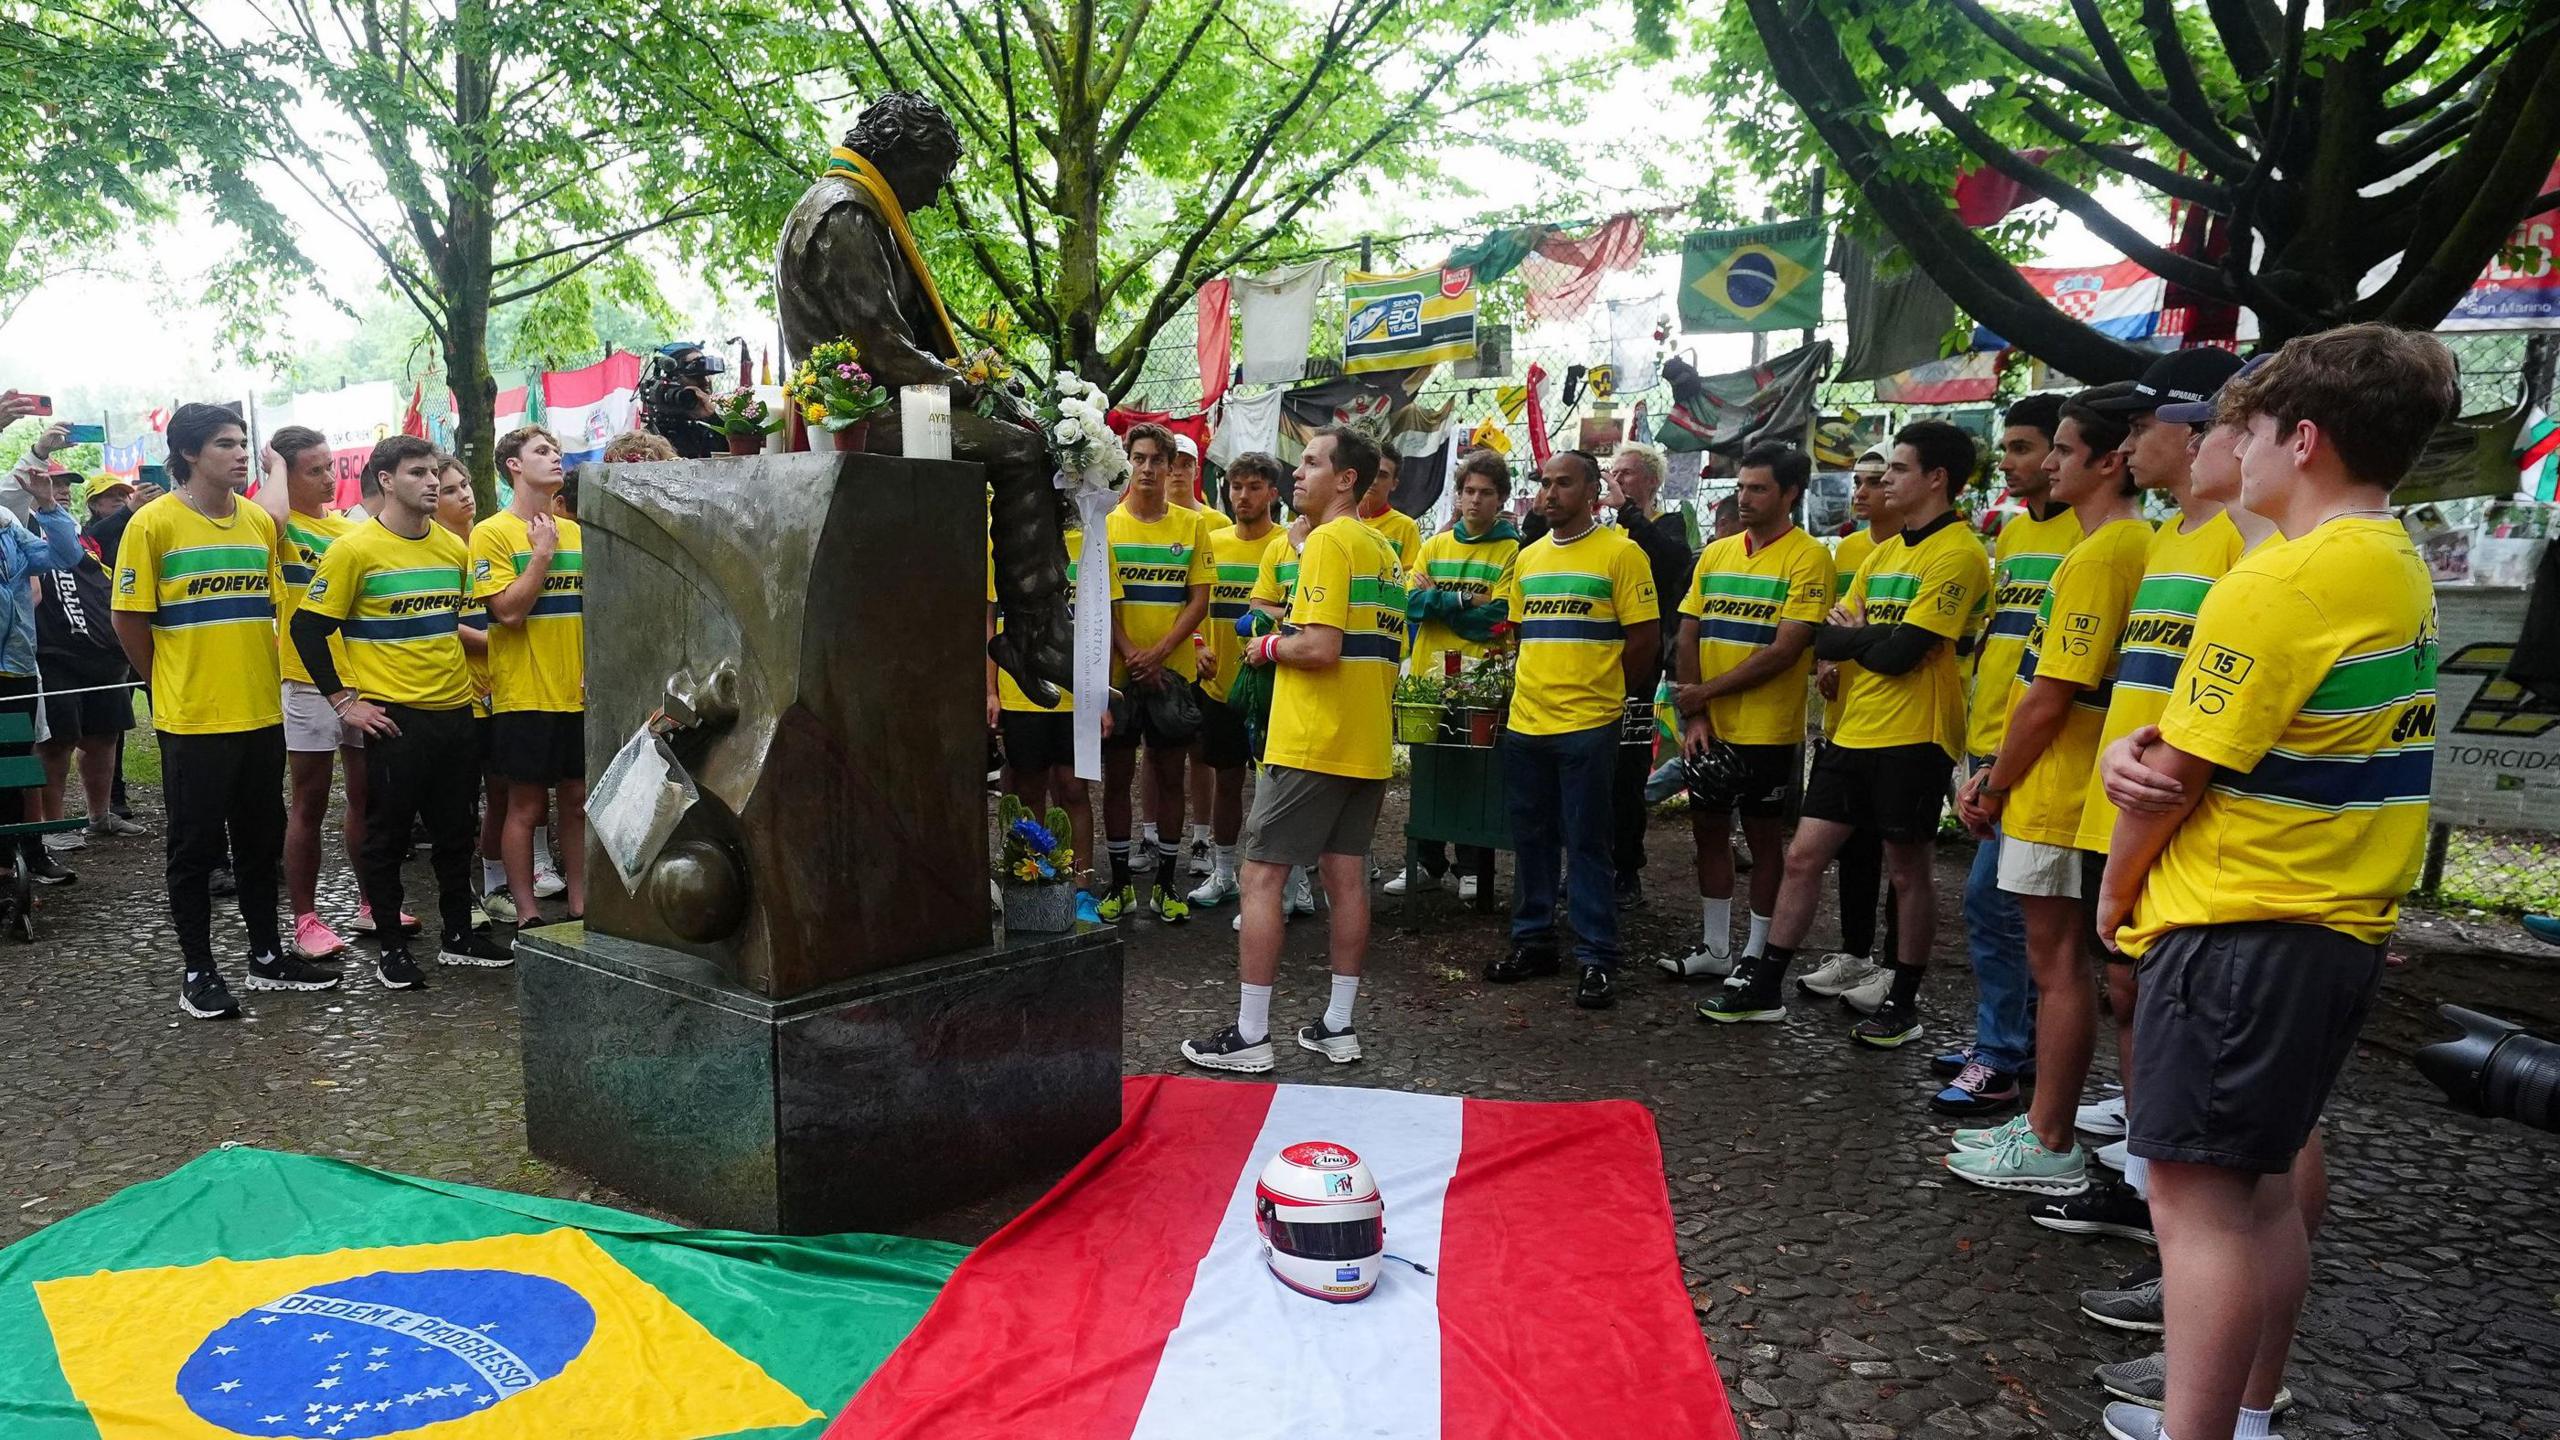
x: 865, y: 175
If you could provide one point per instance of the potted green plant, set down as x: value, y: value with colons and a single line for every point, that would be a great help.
x: 1037, y: 873
x: 743, y: 420
x: 1420, y: 701
x: 1480, y: 697
x: 835, y: 393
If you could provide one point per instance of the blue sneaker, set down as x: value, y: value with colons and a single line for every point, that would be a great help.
x: 2545, y: 928
x: 1088, y: 909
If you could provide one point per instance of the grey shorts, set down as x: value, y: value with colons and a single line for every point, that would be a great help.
x: 1301, y: 814
x: 311, y: 727
x: 2239, y: 1034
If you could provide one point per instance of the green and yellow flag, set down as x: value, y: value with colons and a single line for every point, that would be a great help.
x: 258, y: 1294
x: 1768, y: 277
x: 1396, y: 322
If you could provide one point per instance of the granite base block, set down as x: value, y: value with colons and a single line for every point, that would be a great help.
x: 855, y: 1106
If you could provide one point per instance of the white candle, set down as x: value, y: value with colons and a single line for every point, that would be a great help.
x: 924, y: 414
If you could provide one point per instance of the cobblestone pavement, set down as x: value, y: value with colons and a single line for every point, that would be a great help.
x: 1849, y: 1288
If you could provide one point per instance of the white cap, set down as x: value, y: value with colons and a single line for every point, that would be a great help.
x: 1185, y: 445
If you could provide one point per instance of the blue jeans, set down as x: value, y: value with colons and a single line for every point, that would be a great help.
x: 2004, y: 1020
x: 1558, y: 788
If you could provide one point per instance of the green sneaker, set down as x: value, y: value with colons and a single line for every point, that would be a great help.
x: 2019, y: 1161
x: 1123, y: 901
x: 1988, y: 1136
x: 1168, y: 908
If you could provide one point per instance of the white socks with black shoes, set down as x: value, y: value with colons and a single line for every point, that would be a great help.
x: 1337, y: 1009
x: 1253, y: 1013
x: 1714, y: 955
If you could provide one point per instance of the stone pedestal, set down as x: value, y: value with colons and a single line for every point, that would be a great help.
x: 853, y: 1106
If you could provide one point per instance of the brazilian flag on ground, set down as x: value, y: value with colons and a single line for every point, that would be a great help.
x: 254, y: 1293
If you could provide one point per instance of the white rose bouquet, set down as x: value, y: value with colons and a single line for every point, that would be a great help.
x: 1071, y: 411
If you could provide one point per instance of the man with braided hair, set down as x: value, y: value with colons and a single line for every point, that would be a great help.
x: 848, y: 266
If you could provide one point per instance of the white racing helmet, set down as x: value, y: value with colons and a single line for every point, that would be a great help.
x: 1323, y: 1225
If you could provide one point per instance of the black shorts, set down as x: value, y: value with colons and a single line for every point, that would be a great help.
x: 1223, y: 744
x: 89, y: 716
x: 1038, y: 741
x: 2243, y: 1031
x: 1770, y: 777
x: 538, y: 747
x: 1898, y: 791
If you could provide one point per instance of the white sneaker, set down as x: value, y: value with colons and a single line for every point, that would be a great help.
x: 1469, y: 887
x: 1302, y: 895
x: 67, y: 840
x: 499, y: 905
x: 1216, y: 890
x: 1142, y: 856
x: 1700, y: 964
x: 2114, y: 1156
x: 1868, y: 995
x: 1200, y: 861
x: 1839, y: 973
x: 547, y: 883
x: 2106, y: 1117
x: 1412, y: 877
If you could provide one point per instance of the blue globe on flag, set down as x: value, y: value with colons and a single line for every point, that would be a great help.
x: 385, y: 1353
x: 1750, y: 280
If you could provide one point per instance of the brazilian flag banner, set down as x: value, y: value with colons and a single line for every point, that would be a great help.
x: 1768, y: 277
x: 254, y: 1293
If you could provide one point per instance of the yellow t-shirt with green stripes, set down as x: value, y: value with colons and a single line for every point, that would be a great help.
x: 2078, y: 636
x: 1158, y: 561
x: 1279, y: 578
x: 1932, y: 582
x: 2177, y: 571
x: 1850, y: 552
x: 2311, y: 687
x: 210, y: 589
x: 1740, y: 596
x: 1402, y: 532
x: 1572, y: 601
x: 1481, y: 571
x: 1334, y: 721
x: 401, y: 601
x: 306, y: 539
x: 542, y: 663
x: 1236, y: 563
x: 2023, y: 561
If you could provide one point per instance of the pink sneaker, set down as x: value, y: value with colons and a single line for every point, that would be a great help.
x: 313, y: 940
x: 364, y: 921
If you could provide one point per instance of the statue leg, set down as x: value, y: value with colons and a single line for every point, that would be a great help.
x: 1026, y: 524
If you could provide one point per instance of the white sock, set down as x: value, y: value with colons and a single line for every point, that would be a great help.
x: 1147, y: 832
x: 2252, y: 1425
x: 1199, y: 833
x: 1337, y: 1010
x: 541, y: 847
x: 493, y: 876
x: 1717, y: 934
x: 1253, y: 1013
x: 2137, y: 1173
x: 1758, y: 944
x: 1226, y: 862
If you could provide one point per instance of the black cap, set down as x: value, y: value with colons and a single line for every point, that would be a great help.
x: 2200, y: 412
x: 2185, y: 375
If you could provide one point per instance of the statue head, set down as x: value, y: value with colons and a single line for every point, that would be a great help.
x: 912, y: 142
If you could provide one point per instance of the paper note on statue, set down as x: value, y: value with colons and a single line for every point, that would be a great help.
x: 635, y: 805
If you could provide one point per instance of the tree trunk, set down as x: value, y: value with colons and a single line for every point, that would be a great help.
x: 465, y: 274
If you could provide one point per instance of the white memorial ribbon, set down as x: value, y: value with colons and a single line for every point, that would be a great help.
x: 1093, y: 623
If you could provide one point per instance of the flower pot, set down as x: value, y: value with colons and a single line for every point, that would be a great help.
x: 853, y: 436
x: 745, y: 444
x: 1034, y: 909
x: 1483, y: 727
x: 1417, y: 724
